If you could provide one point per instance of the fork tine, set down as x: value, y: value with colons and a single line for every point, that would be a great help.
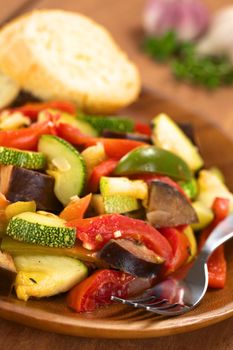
x: 142, y: 300
x: 167, y: 306
x: 181, y: 309
x: 137, y: 304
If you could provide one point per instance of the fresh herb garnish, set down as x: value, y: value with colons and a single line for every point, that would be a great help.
x: 208, y: 71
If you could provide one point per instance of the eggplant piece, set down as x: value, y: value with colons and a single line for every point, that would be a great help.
x: 130, y: 257
x: 168, y: 207
x: 19, y: 184
x: 188, y: 129
x: 7, y: 274
x: 126, y: 135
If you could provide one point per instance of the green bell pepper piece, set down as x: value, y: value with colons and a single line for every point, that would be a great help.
x: 151, y: 159
x: 190, y: 188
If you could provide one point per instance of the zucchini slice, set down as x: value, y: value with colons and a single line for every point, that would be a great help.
x: 110, y: 186
x: 44, y: 275
x: 167, y: 135
x: 40, y: 229
x: 22, y: 159
x: 100, y: 123
x: 66, y: 165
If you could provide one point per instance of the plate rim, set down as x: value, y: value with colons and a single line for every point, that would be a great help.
x: 64, y: 324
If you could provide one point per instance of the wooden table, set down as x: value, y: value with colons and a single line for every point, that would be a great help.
x: 123, y: 19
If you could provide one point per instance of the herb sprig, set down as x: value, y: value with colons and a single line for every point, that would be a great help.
x: 208, y: 71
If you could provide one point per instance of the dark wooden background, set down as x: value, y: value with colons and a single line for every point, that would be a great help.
x: 123, y: 19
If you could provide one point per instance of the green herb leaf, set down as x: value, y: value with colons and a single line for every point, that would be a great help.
x: 186, y: 64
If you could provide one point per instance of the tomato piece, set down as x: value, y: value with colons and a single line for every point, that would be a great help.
x: 76, y: 208
x: 26, y: 138
x: 32, y: 110
x: 180, y: 247
x: 103, y: 169
x: 142, y: 128
x: 97, y: 290
x: 114, y: 148
x: 217, y: 267
x: 97, y: 231
x: 220, y: 208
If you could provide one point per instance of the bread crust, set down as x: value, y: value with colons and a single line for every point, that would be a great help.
x: 56, y: 54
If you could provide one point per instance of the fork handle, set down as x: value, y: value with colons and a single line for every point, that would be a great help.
x: 222, y: 233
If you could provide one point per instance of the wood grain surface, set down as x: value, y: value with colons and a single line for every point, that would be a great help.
x: 123, y: 18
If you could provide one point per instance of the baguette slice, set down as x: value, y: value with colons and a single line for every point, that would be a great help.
x: 55, y: 54
x: 8, y: 90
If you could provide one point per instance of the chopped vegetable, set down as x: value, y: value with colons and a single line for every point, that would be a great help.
x: 41, y: 229
x: 19, y: 184
x: 66, y: 165
x: 211, y: 187
x: 132, y: 258
x: 119, y: 204
x: 93, y: 156
x: 24, y: 159
x: 151, y: 159
x: 97, y: 290
x: 180, y: 246
x: 76, y: 208
x: 168, y: 207
x: 26, y: 138
x: 111, y: 186
x: 19, y: 207
x: 44, y: 275
x: 101, y: 123
x: 167, y: 135
x: 15, y: 248
x: 61, y: 117
x: 205, y: 215
x: 103, y: 169
x: 32, y: 110
x: 97, y: 231
x: 114, y: 148
x: 188, y: 231
x: 190, y: 188
x: 216, y: 263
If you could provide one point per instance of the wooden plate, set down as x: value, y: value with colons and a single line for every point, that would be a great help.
x: 119, y: 321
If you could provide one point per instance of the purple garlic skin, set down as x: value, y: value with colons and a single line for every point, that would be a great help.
x: 188, y: 18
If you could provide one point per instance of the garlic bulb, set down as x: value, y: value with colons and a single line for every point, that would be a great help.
x: 188, y: 18
x: 219, y: 38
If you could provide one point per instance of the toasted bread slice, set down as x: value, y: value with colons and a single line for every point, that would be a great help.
x: 8, y: 90
x: 55, y: 54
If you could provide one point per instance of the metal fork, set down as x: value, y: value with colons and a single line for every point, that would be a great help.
x: 173, y: 296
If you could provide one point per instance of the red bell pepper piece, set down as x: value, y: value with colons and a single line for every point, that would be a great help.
x: 103, y: 169
x: 217, y: 263
x: 97, y: 290
x: 97, y: 231
x: 142, y: 128
x: 32, y: 110
x: 114, y: 148
x: 26, y: 138
x: 180, y: 247
x: 76, y: 208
